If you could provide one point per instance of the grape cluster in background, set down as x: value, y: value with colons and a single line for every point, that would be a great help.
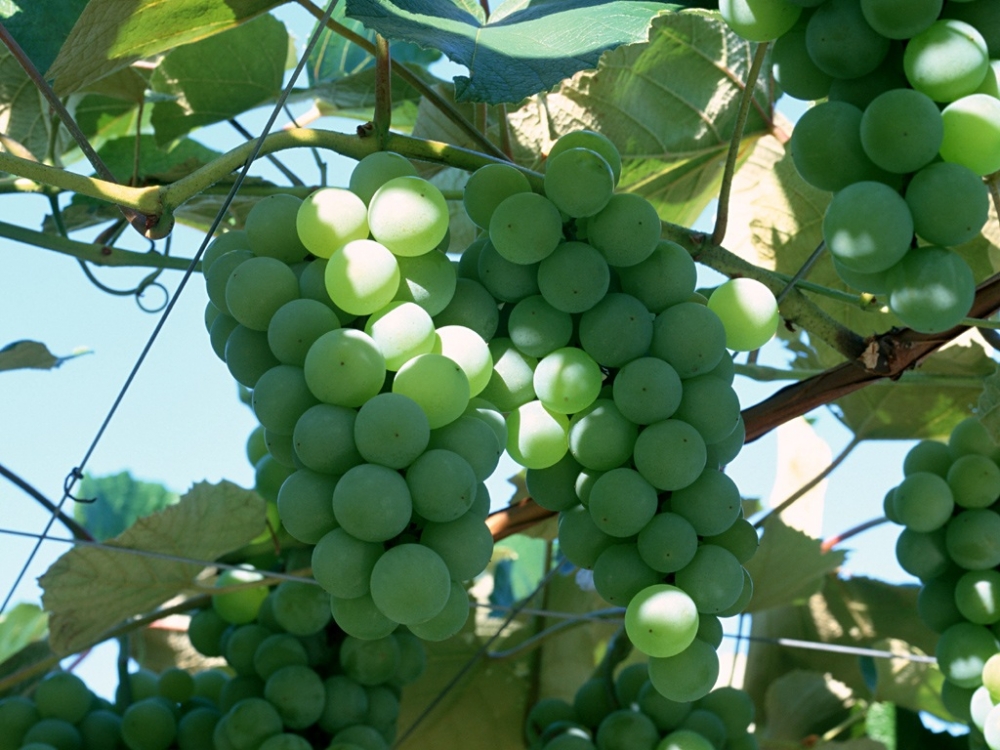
x: 906, y: 126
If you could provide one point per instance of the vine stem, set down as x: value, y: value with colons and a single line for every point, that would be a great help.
x: 382, y: 119
x: 722, y: 214
x: 833, y: 541
x: 69, y: 522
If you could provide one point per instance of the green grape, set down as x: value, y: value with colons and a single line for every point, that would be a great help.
x: 469, y: 350
x: 391, y: 430
x: 626, y: 231
x: 687, y: 676
x: 667, y: 543
x: 759, y: 20
x: 372, y: 503
x: 670, y: 454
x: 413, y: 658
x: 974, y: 480
x: 711, y: 504
x: 17, y: 715
x: 628, y: 683
x: 358, y: 737
x: 298, y: 695
x: 977, y: 596
x: 269, y: 475
x: 449, y: 620
x: 281, y: 397
x: 249, y: 723
x: 346, y: 700
x: 216, y: 280
x: 176, y: 685
x: 868, y: 227
x: 537, y: 437
x: 931, y: 289
x: 408, y: 215
x: 616, y: 330
x: 537, y: 328
x: 901, y: 19
x: 148, y: 725
x: 841, y: 42
x: 622, y: 502
x: 324, y: 439
x: 826, y: 147
x: 410, y: 583
x: 234, y: 239
x: 972, y: 133
x: 222, y: 326
x: 342, y: 564
x: 238, y: 607
x: 860, y: 92
x: 620, y: 573
x: 928, y: 455
x: 383, y: 706
x: 794, y: 70
x: 205, y: 632
x: 984, y: 15
x: 980, y: 705
x: 601, y: 437
x: 362, y: 277
x: 208, y: 683
x: 991, y: 676
x: 902, y: 130
x: 709, y: 405
x: 505, y: 280
x: 472, y: 307
x: 627, y: 730
x: 706, y: 724
x: 285, y: 741
x: 578, y: 181
x: 344, y: 367
x: 690, y: 337
x: 472, y: 439
x: 241, y: 646
x: 301, y: 608
x: 62, y: 695
x: 595, y: 142
x: 584, y: 484
x: 465, y: 545
x: 713, y: 579
x: 661, y: 621
x: 973, y: 539
x: 270, y: 228
x: 594, y: 700
x: 483, y: 410
x: 525, y: 228
x: 666, y: 714
x: 277, y: 651
x: 647, y: 390
x: 438, y: 384
x: 874, y: 283
x: 248, y: 356
x: 295, y: 326
x: 567, y: 381
x: 211, y: 315
x: 710, y: 630
x: 330, y: 218
x: 102, y: 729
x: 442, y: 485
x: 428, y: 280
x: 946, y: 61
x: 360, y: 618
x: 54, y: 733
x: 141, y: 684
x: 665, y: 278
x: 376, y: 169
x: 512, y: 381
x: 545, y: 713
x: 970, y: 436
x: 579, y: 538
x: 962, y: 651
x: 721, y: 453
x: 312, y: 285
x: 402, y: 330
x: 748, y: 312
x: 740, y: 539
x: 488, y: 187
x: 956, y: 699
x: 923, y: 502
x: 553, y: 488
x: 936, y: 605
x: 949, y: 202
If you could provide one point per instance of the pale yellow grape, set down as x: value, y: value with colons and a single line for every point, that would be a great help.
x: 537, y: 437
x: 438, y: 384
x: 408, y: 215
x: 468, y: 349
x: 329, y: 219
x: 362, y: 277
x: 402, y: 331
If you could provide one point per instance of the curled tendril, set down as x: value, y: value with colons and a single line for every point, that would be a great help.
x: 140, y: 289
x: 75, y: 475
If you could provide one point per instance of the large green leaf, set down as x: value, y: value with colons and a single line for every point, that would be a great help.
x: 523, y: 48
x: 354, y: 96
x: 670, y: 105
x: 801, y: 703
x: 218, y: 78
x: 24, y: 113
x: 112, y: 34
x: 120, y: 501
x: 40, y: 26
x: 90, y: 589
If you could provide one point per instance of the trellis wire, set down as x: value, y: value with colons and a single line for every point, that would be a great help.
x: 77, y: 471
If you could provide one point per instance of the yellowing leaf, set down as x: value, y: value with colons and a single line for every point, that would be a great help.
x: 89, y: 589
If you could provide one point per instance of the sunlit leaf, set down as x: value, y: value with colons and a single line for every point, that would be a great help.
x: 20, y: 625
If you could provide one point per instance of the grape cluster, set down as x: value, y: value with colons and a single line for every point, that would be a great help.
x: 948, y: 506
x: 629, y: 713
x: 908, y: 127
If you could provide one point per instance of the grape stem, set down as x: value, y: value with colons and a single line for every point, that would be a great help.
x: 382, y: 119
x: 833, y: 541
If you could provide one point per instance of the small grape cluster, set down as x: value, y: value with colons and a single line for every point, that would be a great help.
x: 909, y: 126
x: 948, y: 506
x: 628, y: 713
x: 283, y: 689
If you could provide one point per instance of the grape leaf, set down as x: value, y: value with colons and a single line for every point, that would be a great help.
x: 19, y: 626
x: 801, y: 703
x: 27, y: 659
x: 32, y: 355
x: 523, y: 47
x: 40, y: 26
x: 988, y: 408
x: 110, y: 34
x: 218, y: 78
x: 906, y: 682
x: 120, y: 502
x: 90, y: 589
x: 670, y: 105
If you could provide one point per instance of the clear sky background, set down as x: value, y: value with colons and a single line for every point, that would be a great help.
x: 182, y: 422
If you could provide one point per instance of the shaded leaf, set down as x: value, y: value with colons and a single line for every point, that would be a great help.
x: 905, y: 682
x: 218, y: 78
x: 112, y: 34
x: 156, y: 164
x: 24, y: 113
x: 104, y: 117
x: 354, y: 96
x: 523, y: 48
x: 32, y: 355
x: 801, y: 703
x: 669, y: 105
x: 19, y: 626
x: 120, y: 502
x: 988, y: 407
x: 89, y: 589
x: 40, y: 26
x: 789, y: 566
x: 34, y: 653
x: 166, y: 644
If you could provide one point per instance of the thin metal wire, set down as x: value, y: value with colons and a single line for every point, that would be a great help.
x: 77, y: 471
x: 835, y: 648
x: 803, y: 270
x: 155, y: 555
